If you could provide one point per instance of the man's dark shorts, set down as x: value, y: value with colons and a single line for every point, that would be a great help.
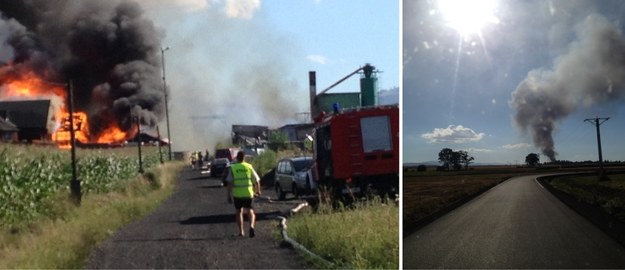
x: 243, y: 203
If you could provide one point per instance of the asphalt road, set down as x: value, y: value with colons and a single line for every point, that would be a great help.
x: 195, y: 228
x: 517, y: 224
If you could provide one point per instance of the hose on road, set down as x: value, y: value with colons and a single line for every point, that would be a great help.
x: 295, y: 244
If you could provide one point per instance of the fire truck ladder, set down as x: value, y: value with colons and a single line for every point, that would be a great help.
x: 355, y: 146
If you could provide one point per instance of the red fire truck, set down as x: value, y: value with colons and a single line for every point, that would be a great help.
x: 356, y: 151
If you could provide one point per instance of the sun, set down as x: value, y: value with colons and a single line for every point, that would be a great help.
x: 468, y: 17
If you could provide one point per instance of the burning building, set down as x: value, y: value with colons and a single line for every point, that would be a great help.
x: 107, y: 49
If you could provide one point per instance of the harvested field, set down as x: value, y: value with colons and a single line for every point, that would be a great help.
x: 425, y: 193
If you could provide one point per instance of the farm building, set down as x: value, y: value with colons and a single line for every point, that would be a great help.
x: 297, y: 132
x: 8, y: 131
x: 250, y: 135
x: 33, y: 118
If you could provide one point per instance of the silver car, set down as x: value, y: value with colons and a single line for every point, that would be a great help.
x: 293, y: 175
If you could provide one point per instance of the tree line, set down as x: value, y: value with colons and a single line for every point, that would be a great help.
x: 458, y: 160
x: 454, y: 159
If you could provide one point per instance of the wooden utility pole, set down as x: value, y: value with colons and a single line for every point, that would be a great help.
x: 137, y: 121
x: 597, y: 122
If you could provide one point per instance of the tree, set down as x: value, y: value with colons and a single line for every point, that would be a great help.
x: 446, y: 156
x: 465, y: 159
x: 532, y: 159
x: 454, y: 159
x: 278, y: 140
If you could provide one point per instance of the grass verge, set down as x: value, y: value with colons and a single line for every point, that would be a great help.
x: 67, y: 240
x: 607, y: 195
x: 362, y: 237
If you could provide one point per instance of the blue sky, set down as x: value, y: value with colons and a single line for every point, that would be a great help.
x: 247, y: 61
x: 497, y: 80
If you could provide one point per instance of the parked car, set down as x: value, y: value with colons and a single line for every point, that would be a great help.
x: 229, y: 153
x: 293, y: 175
x: 218, y: 166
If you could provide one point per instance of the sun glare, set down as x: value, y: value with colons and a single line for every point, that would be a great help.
x: 468, y: 17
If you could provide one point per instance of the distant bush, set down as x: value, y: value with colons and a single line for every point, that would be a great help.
x: 422, y: 168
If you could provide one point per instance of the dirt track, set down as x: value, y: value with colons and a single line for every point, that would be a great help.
x: 195, y: 228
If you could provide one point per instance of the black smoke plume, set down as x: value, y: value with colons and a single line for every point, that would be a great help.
x: 108, y: 49
x: 590, y: 72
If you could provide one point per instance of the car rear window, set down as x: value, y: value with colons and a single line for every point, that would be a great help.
x: 221, y: 161
x: 301, y: 165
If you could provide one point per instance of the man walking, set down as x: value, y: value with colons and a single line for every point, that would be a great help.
x: 243, y: 185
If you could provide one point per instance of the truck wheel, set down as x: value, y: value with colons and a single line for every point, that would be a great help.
x: 279, y: 192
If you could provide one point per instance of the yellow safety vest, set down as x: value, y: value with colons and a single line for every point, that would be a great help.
x: 242, y: 185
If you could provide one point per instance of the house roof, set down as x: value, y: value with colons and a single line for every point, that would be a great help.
x: 26, y: 113
x: 296, y: 126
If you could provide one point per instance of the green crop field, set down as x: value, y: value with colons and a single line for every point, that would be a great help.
x: 31, y: 176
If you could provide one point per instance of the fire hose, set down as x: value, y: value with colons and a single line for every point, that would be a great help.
x: 285, y: 237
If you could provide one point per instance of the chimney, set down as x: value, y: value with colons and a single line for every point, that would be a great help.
x: 314, y: 108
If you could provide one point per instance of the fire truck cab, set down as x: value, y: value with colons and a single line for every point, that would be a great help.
x: 357, y: 150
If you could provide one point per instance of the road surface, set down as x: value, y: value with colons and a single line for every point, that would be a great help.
x: 195, y: 228
x: 517, y: 224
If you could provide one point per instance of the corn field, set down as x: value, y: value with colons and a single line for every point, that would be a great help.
x: 31, y: 177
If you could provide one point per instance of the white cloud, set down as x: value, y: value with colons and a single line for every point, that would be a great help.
x: 319, y: 59
x: 516, y: 146
x: 241, y: 9
x: 478, y: 150
x: 452, y: 134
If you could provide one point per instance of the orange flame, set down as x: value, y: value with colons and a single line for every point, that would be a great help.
x: 30, y: 87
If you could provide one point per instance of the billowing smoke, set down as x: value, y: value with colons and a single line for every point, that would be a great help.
x: 224, y: 70
x: 109, y: 49
x: 590, y: 72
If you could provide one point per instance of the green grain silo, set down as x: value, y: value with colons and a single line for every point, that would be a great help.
x: 368, y: 87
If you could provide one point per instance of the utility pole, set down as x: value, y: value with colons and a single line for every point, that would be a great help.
x: 597, y: 122
x: 137, y: 121
x: 75, y: 182
x: 166, y: 107
x: 160, y: 153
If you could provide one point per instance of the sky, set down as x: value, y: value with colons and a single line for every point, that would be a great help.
x: 502, y: 79
x: 247, y: 61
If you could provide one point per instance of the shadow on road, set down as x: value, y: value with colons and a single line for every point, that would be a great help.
x: 213, y: 186
x: 229, y: 218
x: 201, y: 177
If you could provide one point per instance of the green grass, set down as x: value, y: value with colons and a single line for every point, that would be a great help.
x: 607, y: 195
x: 363, y: 237
x: 66, y: 240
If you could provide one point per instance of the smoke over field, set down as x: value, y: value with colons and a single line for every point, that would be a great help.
x: 590, y: 73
